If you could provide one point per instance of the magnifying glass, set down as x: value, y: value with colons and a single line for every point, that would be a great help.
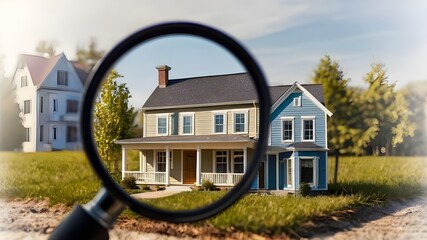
x: 205, y: 129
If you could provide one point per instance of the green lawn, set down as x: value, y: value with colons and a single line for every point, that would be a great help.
x: 66, y: 177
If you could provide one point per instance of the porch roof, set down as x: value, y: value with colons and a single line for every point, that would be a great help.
x: 219, y: 138
x: 297, y: 146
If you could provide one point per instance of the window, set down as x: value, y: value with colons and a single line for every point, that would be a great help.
x: 41, y: 133
x: 161, y: 161
x: 62, y: 78
x: 307, y: 172
x: 27, y: 106
x: 220, y: 161
x: 72, y: 106
x: 41, y: 104
x: 308, y: 129
x: 239, y: 122
x: 219, y: 123
x: 71, y: 134
x: 287, y: 129
x: 187, y: 124
x: 297, y: 101
x: 27, y: 134
x: 238, y: 161
x: 55, y: 105
x: 24, y: 81
x: 162, y: 125
x: 289, y: 172
x: 55, y: 133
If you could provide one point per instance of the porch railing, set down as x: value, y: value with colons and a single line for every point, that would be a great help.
x: 147, y: 177
x: 223, y: 179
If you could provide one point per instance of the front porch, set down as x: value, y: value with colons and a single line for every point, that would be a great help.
x: 169, y: 162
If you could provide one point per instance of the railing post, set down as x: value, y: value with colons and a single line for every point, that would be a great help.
x: 167, y: 166
x: 123, y: 162
x: 198, y: 165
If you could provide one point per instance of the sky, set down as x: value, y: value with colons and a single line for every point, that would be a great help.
x: 287, y: 38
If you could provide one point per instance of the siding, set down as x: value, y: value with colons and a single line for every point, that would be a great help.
x: 203, y: 120
x: 286, y: 109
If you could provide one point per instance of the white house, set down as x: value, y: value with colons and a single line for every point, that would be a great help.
x: 48, y: 92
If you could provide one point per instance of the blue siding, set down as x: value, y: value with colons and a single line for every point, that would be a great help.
x: 255, y: 182
x: 272, y: 172
x: 308, y: 108
x: 322, y: 166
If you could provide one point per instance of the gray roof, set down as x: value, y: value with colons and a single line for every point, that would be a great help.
x: 188, y: 139
x: 302, y: 145
x: 216, y: 90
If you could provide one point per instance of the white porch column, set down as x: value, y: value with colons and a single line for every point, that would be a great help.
x: 141, y: 166
x: 168, y: 167
x: 198, y: 165
x: 123, y: 162
x: 245, y: 158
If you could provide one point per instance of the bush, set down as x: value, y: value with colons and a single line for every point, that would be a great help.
x: 145, y: 187
x: 304, y: 189
x: 129, y: 183
x: 116, y: 176
x: 208, y: 185
x: 160, y: 188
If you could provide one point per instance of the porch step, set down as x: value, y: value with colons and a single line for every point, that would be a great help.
x: 179, y: 188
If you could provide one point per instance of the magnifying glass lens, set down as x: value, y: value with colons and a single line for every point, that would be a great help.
x: 175, y: 122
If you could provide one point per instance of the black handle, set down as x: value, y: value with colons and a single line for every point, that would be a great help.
x: 79, y: 225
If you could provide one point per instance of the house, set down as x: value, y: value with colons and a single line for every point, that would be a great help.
x: 207, y: 128
x: 48, y: 92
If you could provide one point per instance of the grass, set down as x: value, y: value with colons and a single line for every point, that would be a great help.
x: 62, y: 177
x: 380, y: 178
x: 66, y: 177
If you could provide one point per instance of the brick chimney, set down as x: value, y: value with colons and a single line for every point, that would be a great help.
x: 163, y: 75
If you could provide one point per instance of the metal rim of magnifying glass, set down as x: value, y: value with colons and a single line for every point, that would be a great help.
x: 101, y: 70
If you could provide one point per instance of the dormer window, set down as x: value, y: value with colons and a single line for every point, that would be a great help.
x: 297, y: 101
x: 62, y: 78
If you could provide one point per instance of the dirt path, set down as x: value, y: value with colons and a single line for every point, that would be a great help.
x: 33, y: 219
x: 396, y: 220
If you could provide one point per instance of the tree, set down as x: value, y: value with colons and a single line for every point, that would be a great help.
x: 11, y: 129
x: 46, y: 48
x: 338, y: 100
x: 89, y: 57
x: 387, y: 107
x: 113, y: 120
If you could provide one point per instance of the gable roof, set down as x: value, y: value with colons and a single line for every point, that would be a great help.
x: 216, y: 90
x: 290, y: 90
x: 39, y: 67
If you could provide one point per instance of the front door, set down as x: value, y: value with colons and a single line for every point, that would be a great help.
x: 189, y: 167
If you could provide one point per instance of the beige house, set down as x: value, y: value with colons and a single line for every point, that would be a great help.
x: 194, y: 129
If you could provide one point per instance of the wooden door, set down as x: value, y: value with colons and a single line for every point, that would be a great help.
x: 189, y: 167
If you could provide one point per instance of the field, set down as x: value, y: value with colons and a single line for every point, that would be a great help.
x: 66, y: 177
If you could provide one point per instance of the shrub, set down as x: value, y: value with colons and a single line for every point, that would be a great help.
x: 145, y: 187
x: 129, y: 183
x: 208, y: 185
x: 116, y: 176
x: 160, y: 188
x: 304, y: 189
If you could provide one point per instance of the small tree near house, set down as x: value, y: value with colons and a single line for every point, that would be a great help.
x: 113, y: 120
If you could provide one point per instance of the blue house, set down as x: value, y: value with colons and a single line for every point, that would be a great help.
x: 206, y: 128
x: 298, y: 150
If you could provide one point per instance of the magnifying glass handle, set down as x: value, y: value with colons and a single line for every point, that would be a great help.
x: 92, y: 220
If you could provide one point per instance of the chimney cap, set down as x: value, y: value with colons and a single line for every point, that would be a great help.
x: 163, y: 67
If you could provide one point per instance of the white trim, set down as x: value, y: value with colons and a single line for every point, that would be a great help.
x: 233, y: 156
x: 297, y: 101
x: 282, y: 119
x: 306, y: 92
x: 181, y: 126
x: 225, y: 125
x: 123, y: 162
x: 326, y: 132
x: 214, y: 159
x: 246, y: 113
x: 304, y: 118
x: 289, y: 163
x: 313, y: 184
x: 163, y: 115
